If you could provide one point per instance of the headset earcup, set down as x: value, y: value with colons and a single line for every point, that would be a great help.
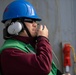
x: 14, y: 28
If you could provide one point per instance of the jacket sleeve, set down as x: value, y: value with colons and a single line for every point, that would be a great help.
x: 44, y: 54
x: 16, y: 60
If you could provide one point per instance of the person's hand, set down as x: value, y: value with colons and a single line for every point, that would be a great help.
x: 43, y: 31
x: 66, y: 74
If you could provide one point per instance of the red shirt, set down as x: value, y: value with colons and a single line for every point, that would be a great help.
x: 17, y: 62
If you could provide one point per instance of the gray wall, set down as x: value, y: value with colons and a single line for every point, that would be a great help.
x: 60, y: 18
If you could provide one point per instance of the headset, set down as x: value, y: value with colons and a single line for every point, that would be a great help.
x: 14, y: 28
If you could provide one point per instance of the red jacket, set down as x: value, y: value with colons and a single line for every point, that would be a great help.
x: 17, y: 62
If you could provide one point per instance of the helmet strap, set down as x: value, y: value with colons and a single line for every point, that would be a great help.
x: 25, y: 28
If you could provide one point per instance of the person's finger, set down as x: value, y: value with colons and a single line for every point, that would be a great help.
x: 45, y: 26
x: 41, y: 27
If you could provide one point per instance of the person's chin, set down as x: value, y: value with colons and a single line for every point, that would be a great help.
x: 35, y: 35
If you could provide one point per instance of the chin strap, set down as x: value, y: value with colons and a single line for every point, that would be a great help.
x: 25, y: 28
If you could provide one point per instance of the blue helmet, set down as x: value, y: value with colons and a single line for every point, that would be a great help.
x: 20, y: 9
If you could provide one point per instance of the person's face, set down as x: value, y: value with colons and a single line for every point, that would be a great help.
x: 32, y: 27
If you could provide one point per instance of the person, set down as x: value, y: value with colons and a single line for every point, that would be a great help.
x: 26, y: 49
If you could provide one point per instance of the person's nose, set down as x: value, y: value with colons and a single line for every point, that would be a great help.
x: 34, y: 24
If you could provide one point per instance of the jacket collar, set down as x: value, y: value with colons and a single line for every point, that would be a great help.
x: 27, y: 40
